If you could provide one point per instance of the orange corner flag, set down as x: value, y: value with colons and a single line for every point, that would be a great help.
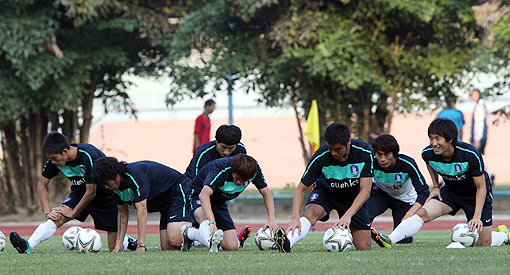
x: 312, y: 131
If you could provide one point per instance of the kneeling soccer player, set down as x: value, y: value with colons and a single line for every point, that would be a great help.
x: 216, y: 183
x: 467, y: 187
x: 398, y: 183
x: 151, y: 187
x: 342, y: 171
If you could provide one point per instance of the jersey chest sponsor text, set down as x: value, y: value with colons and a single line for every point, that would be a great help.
x: 346, y: 183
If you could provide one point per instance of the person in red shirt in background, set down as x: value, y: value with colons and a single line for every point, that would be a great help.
x: 202, y: 131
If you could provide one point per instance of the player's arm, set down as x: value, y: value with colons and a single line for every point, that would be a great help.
x: 421, y: 187
x: 269, y: 202
x: 205, y: 202
x: 365, y: 185
x: 141, y: 224
x: 297, y: 203
x: 481, y: 192
x: 42, y: 191
x: 435, y: 184
x: 90, y: 193
x: 122, y: 223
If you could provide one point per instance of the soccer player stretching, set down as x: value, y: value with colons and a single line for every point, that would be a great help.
x: 342, y: 171
x: 467, y: 187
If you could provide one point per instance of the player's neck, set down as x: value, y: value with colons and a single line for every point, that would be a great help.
x: 448, y: 153
x: 73, y: 152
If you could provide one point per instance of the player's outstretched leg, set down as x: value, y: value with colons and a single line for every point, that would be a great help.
x: 243, y: 235
x: 187, y: 243
x: 282, y: 242
x: 503, y: 228
x: 380, y: 239
x: 215, y: 241
x: 19, y: 243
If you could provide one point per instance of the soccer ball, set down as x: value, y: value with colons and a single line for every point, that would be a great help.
x: 2, y: 241
x: 461, y: 234
x: 88, y: 240
x: 337, y: 239
x: 69, y: 237
x: 264, y: 240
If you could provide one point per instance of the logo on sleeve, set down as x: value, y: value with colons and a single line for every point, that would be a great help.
x: 458, y: 168
x: 398, y: 178
x: 354, y: 170
x: 82, y: 168
x: 314, y: 196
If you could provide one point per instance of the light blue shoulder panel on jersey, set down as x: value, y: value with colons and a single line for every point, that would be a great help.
x: 69, y: 171
x: 200, y: 157
x: 350, y: 171
x: 390, y: 178
x: 231, y: 188
x: 126, y: 195
x: 470, y: 151
x: 450, y: 169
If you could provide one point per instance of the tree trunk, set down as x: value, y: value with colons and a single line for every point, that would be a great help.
x: 87, y: 115
x: 14, y: 170
x: 306, y: 154
x: 391, y: 111
x: 69, y: 126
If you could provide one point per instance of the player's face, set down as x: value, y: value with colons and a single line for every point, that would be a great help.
x: 225, y: 150
x: 440, y: 145
x: 339, y: 151
x: 58, y: 159
x: 238, y: 180
x: 113, y: 184
x: 385, y: 160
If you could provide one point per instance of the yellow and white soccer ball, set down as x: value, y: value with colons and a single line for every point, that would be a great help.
x: 2, y: 241
x: 461, y: 234
x: 88, y: 240
x: 264, y: 239
x: 337, y: 239
x: 69, y: 237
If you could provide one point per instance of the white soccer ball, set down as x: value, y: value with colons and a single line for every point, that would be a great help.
x: 69, y: 237
x: 264, y: 239
x: 461, y: 234
x: 88, y: 240
x: 337, y: 239
x: 2, y: 241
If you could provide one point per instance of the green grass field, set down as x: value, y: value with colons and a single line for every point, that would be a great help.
x: 427, y: 255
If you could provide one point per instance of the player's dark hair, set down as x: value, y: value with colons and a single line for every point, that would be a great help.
x: 244, y: 166
x: 387, y: 144
x: 209, y: 102
x: 55, y: 142
x: 107, y: 168
x: 445, y: 128
x: 228, y: 134
x: 337, y: 133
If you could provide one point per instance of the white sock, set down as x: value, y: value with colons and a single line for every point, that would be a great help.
x: 294, y: 236
x: 406, y: 229
x: 43, y: 232
x: 203, y: 234
x: 125, y: 242
x: 498, y: 238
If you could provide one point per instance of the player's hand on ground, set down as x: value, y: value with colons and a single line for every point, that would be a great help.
x: 294, y: 224
x: 475, y: 224
x: 213, y: 227
x: 433, y: 193
x: 271, y: 225
x: 345, y: 222
x: 118, y: 248
x: 140, y: 249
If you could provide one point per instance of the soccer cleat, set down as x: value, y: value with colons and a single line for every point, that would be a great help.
x: 187, y: 243
x: 132, y: 243
x: 243, y: 235
x: 215, y: 241
x: 281, y: 240
x: 380, y: 239
x: 503, y: 228
x: 19, y: 243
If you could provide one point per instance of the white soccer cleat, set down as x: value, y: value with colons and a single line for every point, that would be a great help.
x: 215, y: 241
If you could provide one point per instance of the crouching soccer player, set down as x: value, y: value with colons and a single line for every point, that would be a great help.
x: 342, y: 171
x: 216, y: 183
x: 75, y: 161
x: 398, y: 183
x: 467, y: 187
x: 150, y: 187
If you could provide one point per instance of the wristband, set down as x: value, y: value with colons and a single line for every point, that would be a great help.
x: 407, y: 213
x: 212, y: 223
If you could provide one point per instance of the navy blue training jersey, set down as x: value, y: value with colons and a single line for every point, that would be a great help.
x: 206, y: 153
x: 342, y: 178
x: 217, y: 175
x: 458, y: 172
x: 79, y: 171
x: 403, y: 181
x: 148, y: 180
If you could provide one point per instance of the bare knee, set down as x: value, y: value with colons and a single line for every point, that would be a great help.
x: 230, y: 247
x: 174, y: 242
x: 423, y: 214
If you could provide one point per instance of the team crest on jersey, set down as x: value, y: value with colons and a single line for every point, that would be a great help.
x: 314, y: 196
x: 398, y: 178
x: 354, y: 170
x: 82, y: 168
x: 458, y: 168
